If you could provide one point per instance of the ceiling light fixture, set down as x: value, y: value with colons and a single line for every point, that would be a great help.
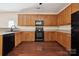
x: 39, y: 6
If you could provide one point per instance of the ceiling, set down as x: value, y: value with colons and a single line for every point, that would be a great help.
x: 32, y: 7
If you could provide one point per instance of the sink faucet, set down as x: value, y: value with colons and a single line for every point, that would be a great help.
x: 12, y: 28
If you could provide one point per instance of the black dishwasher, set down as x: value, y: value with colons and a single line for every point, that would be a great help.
x: 8, y: 43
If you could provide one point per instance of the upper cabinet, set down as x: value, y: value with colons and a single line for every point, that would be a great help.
x: 64, y: 18
x: 75, y: 7
x: 29, y: 19
x: 67, y: 15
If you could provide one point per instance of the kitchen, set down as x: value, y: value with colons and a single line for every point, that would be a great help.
x: 36, y: 23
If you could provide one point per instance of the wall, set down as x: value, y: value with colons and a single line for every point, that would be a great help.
x: 5, y: 17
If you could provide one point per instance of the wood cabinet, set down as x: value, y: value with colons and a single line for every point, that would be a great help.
x: 67, y: 41
x: 20, y: 20
x: 28, y: 36
x: 64, y: 39
x: 68, y: 15
x: 1, y: 42
x: 50, y: 36
x: 47, y: 36
x: 75, y: 7
x: 53, y: 36
x: 64, y: 18
x: 18, y: 38
x: 50, y: 20
x: 29, y: 19
x: 59, y: 38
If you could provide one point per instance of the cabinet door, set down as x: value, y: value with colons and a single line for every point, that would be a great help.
x: 20, y: 20
x: 59, y: 21
x: 28, y: 20
x: 75, y: 7
x: 31, y: 36
x: 68, y: 15
x: 53, y: 36
x: 64, y: 39
x: 50, y: 36
x: 45, y: 20
x: 60, y: 38
x: 67, y: 41
x: 17, y: 38
x: 52, y: 20
x: 1, y: 42
x: 47, y: 36
x: 24, y: 20
x: 63, y: 17
x: 33, y: 19
x: 28, y: 36
x: 49, y: 20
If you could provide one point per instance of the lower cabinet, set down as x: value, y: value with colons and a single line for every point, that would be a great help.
x: 64, y: 39
x: 67, y: 41
x: 18, y: 38
x: 50, y: 36
x: 28, y: 36
x: 1, y: 42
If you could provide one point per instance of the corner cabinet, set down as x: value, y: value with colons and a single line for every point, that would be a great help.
x: 64, y: 39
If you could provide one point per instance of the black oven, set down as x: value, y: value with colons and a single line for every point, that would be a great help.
x: 39, y: 35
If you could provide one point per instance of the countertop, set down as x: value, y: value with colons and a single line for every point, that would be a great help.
x: 32, y: 29
x: 6, y: 31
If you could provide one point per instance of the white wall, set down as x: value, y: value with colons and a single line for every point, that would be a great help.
x: 5, y: 17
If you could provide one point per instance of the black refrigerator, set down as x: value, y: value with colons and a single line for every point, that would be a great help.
x: 75, y: 34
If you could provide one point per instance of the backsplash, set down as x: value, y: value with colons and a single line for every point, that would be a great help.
x: 65, y: 28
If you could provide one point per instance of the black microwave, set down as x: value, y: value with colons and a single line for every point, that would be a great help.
x: 39, y: 23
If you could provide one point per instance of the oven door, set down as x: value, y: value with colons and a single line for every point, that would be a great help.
x: 39, y: 35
